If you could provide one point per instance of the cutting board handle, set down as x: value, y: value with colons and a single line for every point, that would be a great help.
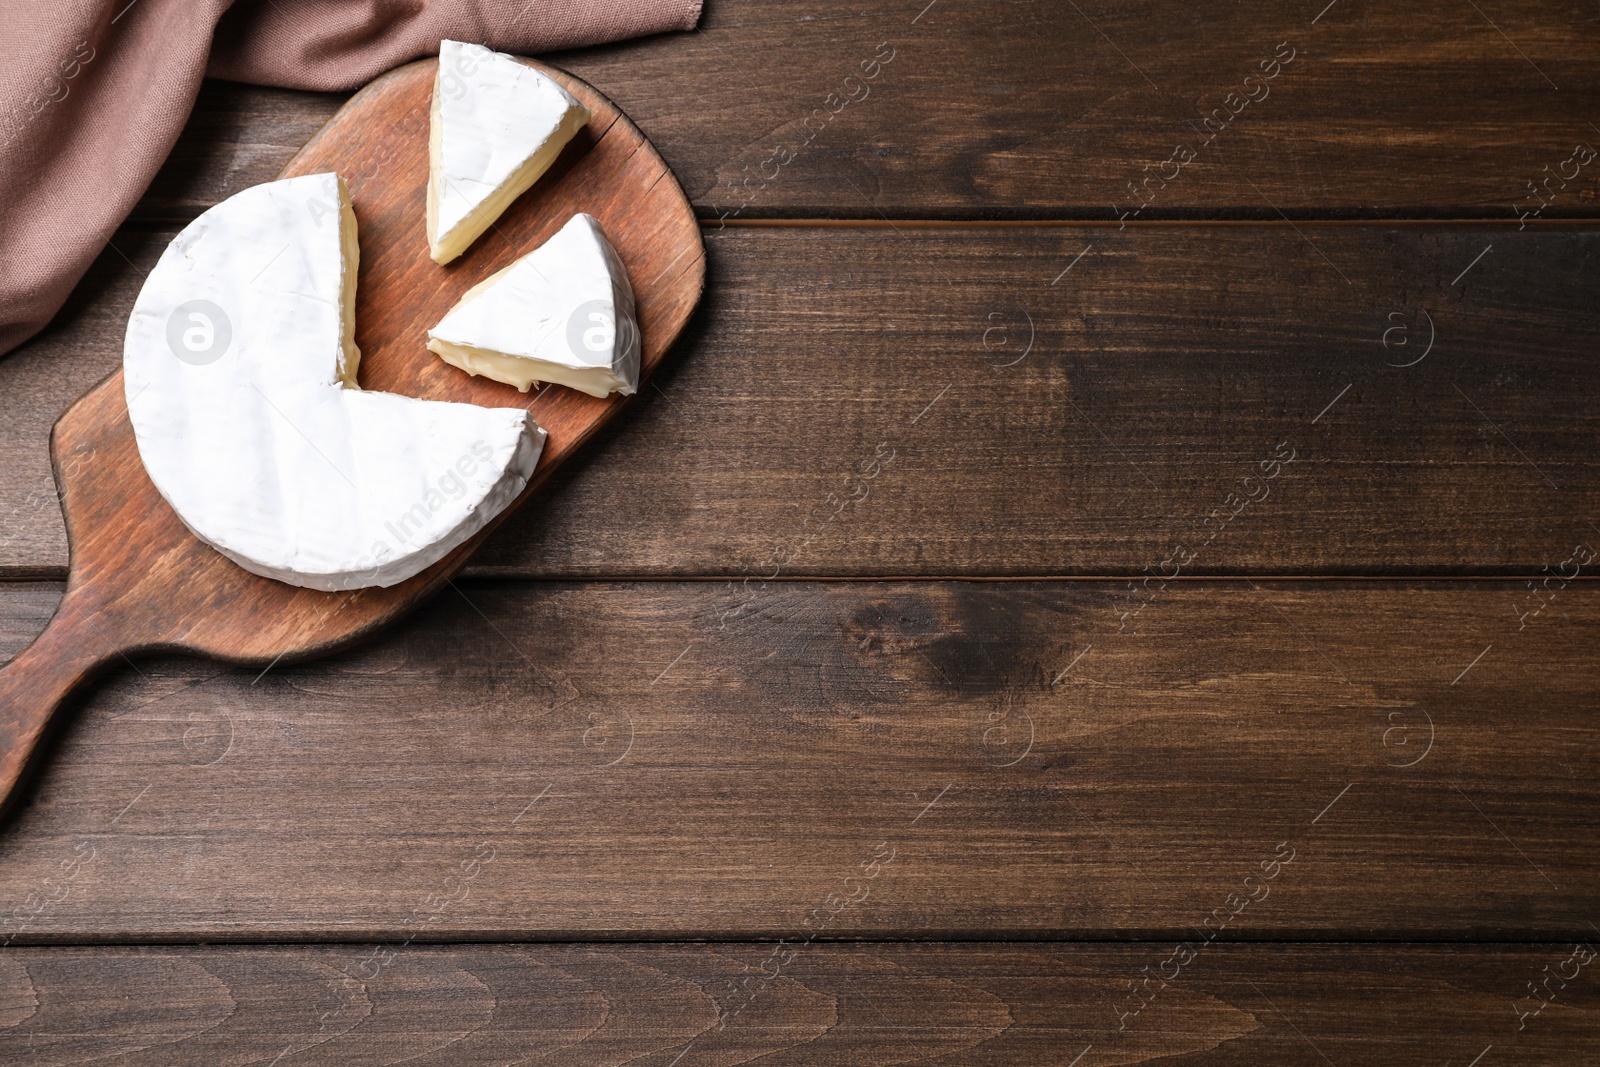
x: 78, y: 641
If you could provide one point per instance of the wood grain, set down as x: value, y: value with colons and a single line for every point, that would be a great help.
x: 1165, y: 367
x: 141, y: 580
x: 686, y: 760
x: 1053, y: 760
x: 868, y: 1004
x: 1029, y: 110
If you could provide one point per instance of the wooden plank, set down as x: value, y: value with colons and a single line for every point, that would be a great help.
x: 1320, y: 760
x: 865, y: 401
x: 237, y: 136
x: 868, y: 1004
x: 1018, y: 110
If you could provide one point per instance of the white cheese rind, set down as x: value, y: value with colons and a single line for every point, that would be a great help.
x: 496, y: 126
x: 240, y: 370
x: 564, y: 313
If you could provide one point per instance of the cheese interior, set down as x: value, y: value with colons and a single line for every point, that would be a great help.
x: 522, y: 373
x: 350, y: 249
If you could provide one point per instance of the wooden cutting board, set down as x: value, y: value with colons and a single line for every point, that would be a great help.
x: 140, y: 582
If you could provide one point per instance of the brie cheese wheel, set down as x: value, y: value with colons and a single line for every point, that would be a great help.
x: 497, y: 125
x: 240, y: 370
x: 563, y: 313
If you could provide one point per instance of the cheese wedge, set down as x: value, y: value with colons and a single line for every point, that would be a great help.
x: 240, y: 365
x: 563, y: 313
x: 497, y: 126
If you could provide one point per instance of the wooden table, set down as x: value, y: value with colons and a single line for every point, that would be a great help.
x: 1106, y: 579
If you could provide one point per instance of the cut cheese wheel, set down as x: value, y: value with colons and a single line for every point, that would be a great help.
x: 240, y: 369
x: 497, y: 125
x: 563, y: 313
